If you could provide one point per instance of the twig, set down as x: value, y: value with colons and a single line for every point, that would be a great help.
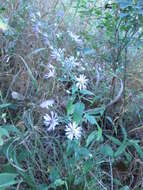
x: 116, y: 99
x: 97, y: 78
x: 111, y: 172
x: 98, y: 181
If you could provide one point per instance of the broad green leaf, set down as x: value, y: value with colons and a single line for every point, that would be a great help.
x: 78, y: 179
x: 2, y: 106
x: 42, y: 187
x: 59, y: 182
x: 91, y: 138
x: 54, y: 174
x: 112, y: 123
x: 11, y: 128
x: 114, y: 140
x: 74, y: 89
x: 7, y: 179
x: 91, y: 119
x: 3, y: 132
x: 86, y: 92
x: 128, y: 157
x: 106, y: 150
x: 123, y: 145
x: 96, y: 111
x: 99, y: 133
x: 125, y: 188
x: 70, y: 106
x: 88, y: 166
x: 137, y: 147
x: 78, y: 112
x: 84, y: 152
x: 124, y: 133
x: 121, y: 149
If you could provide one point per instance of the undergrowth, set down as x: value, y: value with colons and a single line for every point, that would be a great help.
x: 71, y: 95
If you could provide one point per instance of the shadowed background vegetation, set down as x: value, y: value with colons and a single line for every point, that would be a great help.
x: 71, y: 62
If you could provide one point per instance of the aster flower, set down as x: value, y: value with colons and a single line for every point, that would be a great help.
x: 37, y: 27
x: 81, y: 82
x: 45, y: 38
x: 72, y: 130
x: 75, y: 37
x: 51, y: 72
x: 47, y: 103
x: 32, y: 16
x: 71, y: 62
x: 51, y: 121
x: 57, y: 54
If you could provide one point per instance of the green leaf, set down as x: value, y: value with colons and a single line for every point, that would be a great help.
x: 96, y: 111
x: 99, y: 133
x: 90, y: 138
x: 106, y: 150
x: 84, y: 152
x: 11, y: 128
x: 125, y: 188
x: 86, y: 92
x: 42, y: 187
x: 74, y: 89
x: 3, y: 132
x: 87, y: 166
x: 137, y: 147
x: 91, y: 119
x: 2, y: 106
x: 54, y: 174
x: 7, y: 179
x: 114, y: 140
x: 112, y: 123
x: 78, y: 112
x: 59, y: 182
x: 70, y: 106
x: 121, y: 149
x: 124, y: 133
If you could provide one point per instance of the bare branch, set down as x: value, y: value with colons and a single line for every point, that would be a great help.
x: 117, y: 98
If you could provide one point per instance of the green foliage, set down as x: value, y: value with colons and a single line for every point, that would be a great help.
x: 69, y: 130
x: 7, y: 180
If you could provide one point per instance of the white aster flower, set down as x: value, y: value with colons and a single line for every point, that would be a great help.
x: 72, y: 130
x: 81, y: 82
x: 75, y: 37
x: 51, y: 120
x: 51, y: 72
x: 57, y: 54
x: 71, y: 62
x: 47, y: 103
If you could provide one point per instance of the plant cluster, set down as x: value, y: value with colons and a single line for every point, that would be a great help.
x: 67, y: 104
